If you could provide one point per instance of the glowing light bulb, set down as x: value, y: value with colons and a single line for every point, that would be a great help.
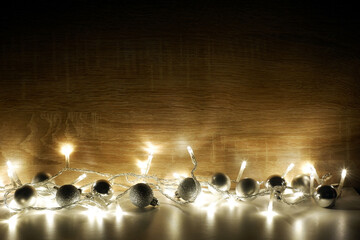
x: 289, y: 168
x: 150, y: 157
x: 79, y: 179
x: 192, y: 155
x: 142, y: 165
x: 310, y: 169
x: 66, y: 150
x: 12, y: 175
x: 316, y: 176
x: 342, y: 180
x: 241, y: 171
x: 191, y: 152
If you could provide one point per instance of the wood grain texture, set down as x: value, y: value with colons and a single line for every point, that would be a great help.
x: 273, y: 84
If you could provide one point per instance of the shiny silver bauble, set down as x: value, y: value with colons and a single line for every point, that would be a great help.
x: 141, y: 195
x: 188, y: 189
x: 67, y: 194
x: 221, y: 181
x: 246, y: 188
x: 102, y: 188
x: 25, y: 196
x: 41, y: 177
x: 276, y: 181
x: 325, y: 196
x: 301, y: 183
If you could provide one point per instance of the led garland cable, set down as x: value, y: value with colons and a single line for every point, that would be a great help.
x: 139, y: 176
x: 48, y: 188
x: 122, y: 194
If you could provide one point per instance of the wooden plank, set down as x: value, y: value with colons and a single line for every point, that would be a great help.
x: 270, y: 84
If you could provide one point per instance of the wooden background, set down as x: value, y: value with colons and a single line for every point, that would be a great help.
x: 273, y: 82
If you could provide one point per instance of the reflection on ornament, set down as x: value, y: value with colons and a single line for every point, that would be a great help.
x: 67, y: 194
x: 275, y: 181
x: 325, y: 196
x: 277, y: 184
x: 103, y: 188
x: 41, y: 177
x: 25, y: 196
x: 188, y: 189
x: 247, y: 187
x: 141, y: 195
x: 221, y: 181
x: 301, y: 183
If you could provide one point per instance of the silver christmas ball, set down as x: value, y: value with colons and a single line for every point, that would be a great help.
x: 302, y: 183
x: 276, y: 181
x: 325, y: 196
x: 221, y: 181
x: 188, y: 189
x: 102, y: 188
x: 67, y: 194
x: 41, y: 177
x: 247, y: 187
x: 25, y: 196
x: 141, y: 195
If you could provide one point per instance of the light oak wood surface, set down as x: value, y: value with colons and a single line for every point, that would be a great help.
x: 272, y: 84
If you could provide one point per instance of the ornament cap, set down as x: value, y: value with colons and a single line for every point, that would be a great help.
x: 154, y: 202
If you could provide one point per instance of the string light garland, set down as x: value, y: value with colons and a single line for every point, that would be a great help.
x: 139, y: 188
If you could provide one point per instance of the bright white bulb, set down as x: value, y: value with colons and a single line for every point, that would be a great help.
x: 148, y: 164
x: 243, y: 165
x: 80, y: 178
x: 12, y: 174
x: 307, y: 168
x: 289, y: 168
x: 10, y: 166
x: 241, y: 171
x: 10, y: 169
x: 67, y: 149
x: 150, y: 148
x: 191, y: 152
x: 342, y: 180
x: 343, y: 173
x: 310, y: 169
x: 142, y: 165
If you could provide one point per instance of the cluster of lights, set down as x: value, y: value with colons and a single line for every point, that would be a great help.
x: 181, y: 189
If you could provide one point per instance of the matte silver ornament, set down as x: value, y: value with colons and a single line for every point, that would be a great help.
x: 25, y: 196
x: 41, y: 177
x: 247, y: 187
x: 67, y: 194
x: 325, y: 196
x: 301, y: 183
x: 102, y: 188
x: 188, y: 189
x: 141, y: 195
x: 221, y: 181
